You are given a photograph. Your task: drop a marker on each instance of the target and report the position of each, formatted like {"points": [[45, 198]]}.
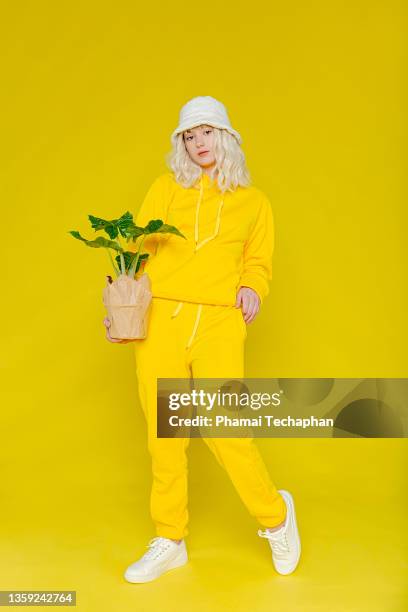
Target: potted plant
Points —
{"points": [[127, 298]]}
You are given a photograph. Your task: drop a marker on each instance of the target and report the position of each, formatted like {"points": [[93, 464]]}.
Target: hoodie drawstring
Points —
{"points": [[196, 247], [200, 307], [217, 223], [178, 308]]}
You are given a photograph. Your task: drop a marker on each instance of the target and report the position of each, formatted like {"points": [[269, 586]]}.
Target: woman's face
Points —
{"points": [[199, 143]]}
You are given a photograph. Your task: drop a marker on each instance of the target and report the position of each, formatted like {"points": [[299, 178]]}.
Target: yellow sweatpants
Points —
{"points": [[187, 340]]}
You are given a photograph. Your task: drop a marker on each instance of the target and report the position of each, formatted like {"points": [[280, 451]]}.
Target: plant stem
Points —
{"points": [[122, 263], [112, 262], [133, 267]]}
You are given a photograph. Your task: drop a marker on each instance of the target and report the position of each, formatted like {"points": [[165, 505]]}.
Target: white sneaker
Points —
{"points": [[285, 543], [163, 554]]}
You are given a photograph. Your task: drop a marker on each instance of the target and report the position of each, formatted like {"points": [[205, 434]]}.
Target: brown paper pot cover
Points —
{"points": [[128, 301]]}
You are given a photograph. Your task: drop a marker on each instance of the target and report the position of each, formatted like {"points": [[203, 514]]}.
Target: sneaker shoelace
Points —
{"points": [[157, 546], [278, 541]]}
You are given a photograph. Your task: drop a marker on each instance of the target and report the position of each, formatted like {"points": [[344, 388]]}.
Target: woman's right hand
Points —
{"points": [[107, 324]]}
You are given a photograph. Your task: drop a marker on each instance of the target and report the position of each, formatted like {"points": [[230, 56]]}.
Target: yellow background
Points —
{"points": [[91, 93]]}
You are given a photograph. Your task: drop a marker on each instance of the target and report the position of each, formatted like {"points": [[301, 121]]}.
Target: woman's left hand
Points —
{"points": [[250, 302]]}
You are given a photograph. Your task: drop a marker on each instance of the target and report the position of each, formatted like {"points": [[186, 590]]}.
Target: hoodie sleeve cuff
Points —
{"points": [[249, 279]]}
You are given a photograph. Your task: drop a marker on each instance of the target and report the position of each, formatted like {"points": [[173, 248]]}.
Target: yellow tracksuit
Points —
{"points": [[196, 331]]}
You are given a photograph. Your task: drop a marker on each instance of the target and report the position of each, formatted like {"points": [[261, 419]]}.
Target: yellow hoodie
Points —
{"points": [[229, 241]]}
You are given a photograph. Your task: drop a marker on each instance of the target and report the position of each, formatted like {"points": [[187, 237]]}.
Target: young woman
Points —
{"points": [[206, 290]]}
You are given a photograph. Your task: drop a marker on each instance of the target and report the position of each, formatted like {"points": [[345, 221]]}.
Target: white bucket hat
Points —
{"points": [[204, 110]]}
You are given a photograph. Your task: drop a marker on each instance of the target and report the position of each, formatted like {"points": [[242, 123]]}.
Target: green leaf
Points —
{"points": [[153, 226], [164, 229], [156, 226], [112, 227], [133, 232], [98, 243]]}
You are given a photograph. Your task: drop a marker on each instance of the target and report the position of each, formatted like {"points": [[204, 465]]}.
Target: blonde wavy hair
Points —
{"points": [[230, 168]]}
